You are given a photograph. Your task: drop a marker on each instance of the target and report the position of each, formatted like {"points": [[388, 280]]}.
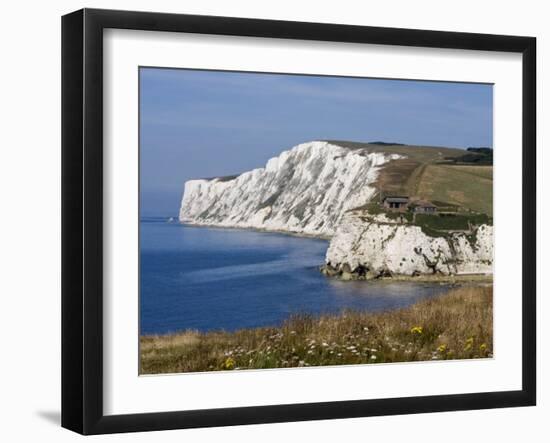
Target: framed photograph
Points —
{"points": [[268, 221]]}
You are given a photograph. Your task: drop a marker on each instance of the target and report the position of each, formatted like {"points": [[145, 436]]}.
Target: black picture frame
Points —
{"points": [[82, 218]]}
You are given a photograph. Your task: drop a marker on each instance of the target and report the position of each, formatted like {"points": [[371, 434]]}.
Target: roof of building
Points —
{"points": [[396, 199], [424, 204]]}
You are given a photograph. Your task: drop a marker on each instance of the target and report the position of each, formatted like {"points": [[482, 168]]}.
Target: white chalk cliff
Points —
{"points": [[385, 247], [313, 189], [305, 190]]}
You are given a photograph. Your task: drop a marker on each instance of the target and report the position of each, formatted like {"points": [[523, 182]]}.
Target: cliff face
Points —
{"points": [[374, 247], [304, 190], [316, 189]]}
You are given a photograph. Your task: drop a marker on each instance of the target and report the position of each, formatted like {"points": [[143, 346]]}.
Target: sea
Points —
{"points": [[205, 279]]}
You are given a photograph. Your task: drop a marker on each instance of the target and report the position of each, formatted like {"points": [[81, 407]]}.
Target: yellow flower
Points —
{"points": [[469, 343], [416, 330], [442, 348], [482, 347], [229, 363]]}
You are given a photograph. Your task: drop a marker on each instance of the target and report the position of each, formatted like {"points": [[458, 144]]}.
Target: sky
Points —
{"points": [[197, 124]]}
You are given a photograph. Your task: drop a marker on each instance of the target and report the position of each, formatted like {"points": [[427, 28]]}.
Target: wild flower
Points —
{"points": [[482, 347], [324, 344], [469, 343], [442, 348], [416, 330], [373, 357], [229, 363], [310, 352]]}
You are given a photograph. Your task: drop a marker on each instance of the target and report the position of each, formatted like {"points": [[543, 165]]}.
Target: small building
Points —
{"points": [[395, 202], [424, 207]]}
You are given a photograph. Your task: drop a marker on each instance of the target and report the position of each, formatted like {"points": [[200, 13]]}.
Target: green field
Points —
{"points": [[469, 187], [428, 173]]}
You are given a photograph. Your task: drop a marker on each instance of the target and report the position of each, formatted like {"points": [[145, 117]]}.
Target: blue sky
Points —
{"points": [[197, 124]]}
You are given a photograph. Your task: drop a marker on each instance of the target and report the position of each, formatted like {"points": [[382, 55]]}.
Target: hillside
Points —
{"points": [[441, 175], [309, 188]]}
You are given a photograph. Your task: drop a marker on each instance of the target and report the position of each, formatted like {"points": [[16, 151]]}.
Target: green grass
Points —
{"points": [[427, 174], [457, 325], [469, 187], [442, 222]]}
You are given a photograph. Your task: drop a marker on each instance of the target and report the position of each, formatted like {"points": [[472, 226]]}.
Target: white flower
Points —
{"points": [[373, 357]]}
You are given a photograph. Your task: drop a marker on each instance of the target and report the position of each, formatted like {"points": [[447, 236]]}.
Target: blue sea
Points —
{"points": [[209, 278]]}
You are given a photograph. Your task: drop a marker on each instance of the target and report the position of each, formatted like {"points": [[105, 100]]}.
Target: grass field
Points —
{"points": [[467, 186], [457, 325], [424, 174]]}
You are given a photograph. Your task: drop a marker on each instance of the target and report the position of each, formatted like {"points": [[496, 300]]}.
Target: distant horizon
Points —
{"points": [[197, 124]]}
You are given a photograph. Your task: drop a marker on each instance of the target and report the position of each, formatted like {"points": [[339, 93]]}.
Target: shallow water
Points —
{"points": [[209, 278]]}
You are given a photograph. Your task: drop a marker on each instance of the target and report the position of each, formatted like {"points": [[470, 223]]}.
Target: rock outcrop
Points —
{"points": [[369, 248]]}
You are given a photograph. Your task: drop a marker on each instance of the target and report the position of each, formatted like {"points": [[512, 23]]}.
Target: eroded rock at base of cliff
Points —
{"points": [[366, 249]]}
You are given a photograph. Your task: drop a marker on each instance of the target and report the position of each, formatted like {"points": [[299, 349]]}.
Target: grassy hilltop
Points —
{"points": [[441, 175], [457, 325]]}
